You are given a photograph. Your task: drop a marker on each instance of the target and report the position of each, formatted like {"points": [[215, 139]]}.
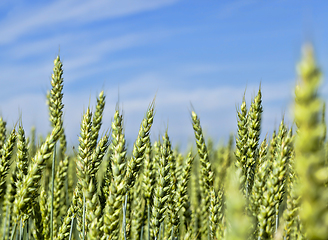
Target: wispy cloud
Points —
{"points": [[28, 19], [233, 7]]}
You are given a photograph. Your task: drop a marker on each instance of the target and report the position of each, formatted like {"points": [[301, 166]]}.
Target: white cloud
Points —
{"points": [[27, 19]]}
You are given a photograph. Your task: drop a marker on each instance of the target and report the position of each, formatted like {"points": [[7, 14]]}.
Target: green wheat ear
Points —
{"points": [[29, 187], [309, 153], [241, 140], [117, 187], [162, 188], [254, 130], [6, 153]]}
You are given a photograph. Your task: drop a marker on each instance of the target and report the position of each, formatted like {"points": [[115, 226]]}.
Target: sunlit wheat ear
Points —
{"points": [[241, 140], [60, 178], [272, 196], [93, 212], [6, 153], [182, 185], [30, 185], [148, 183], [260, 179], [162, 188], [293, 200], [17, 175], [139, 147], [97, 118], [254, 130], [55, 101], [309, 153], [206, 178], [148, 173], [83, 162], [87, 165], [114, 200], [206, 168], [170, 229], [214, 210], [45, 214], [138, 210], [98, 155], [55, 95]]}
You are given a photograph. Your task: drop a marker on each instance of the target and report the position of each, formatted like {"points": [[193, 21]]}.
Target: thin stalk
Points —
{"points": [[71, 230], [83, 216], [159, 232], [52, 195], [124, 215], [13, 232], [148, 220], [141, 234], [21, 230]]}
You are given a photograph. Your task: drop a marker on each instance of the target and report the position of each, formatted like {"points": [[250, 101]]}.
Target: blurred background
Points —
{"points": [[187, 53]]}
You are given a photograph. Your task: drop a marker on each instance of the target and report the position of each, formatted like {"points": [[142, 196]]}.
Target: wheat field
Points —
{"points": [[275, 188]]}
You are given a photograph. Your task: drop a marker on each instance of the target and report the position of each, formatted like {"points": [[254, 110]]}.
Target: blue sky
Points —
{"points": [[182, 51]]}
